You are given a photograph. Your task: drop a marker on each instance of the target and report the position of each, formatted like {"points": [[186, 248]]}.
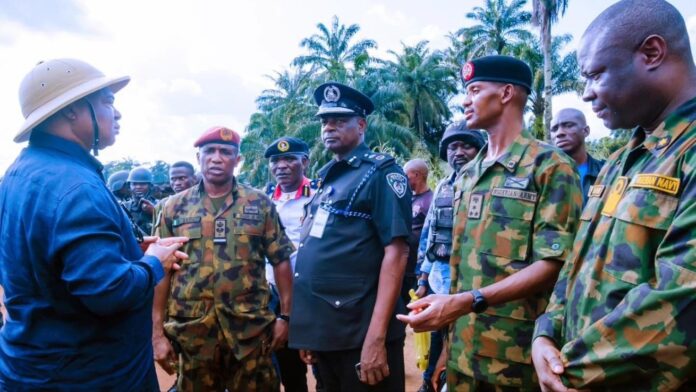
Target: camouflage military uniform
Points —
{"points": [[218, 310], [521, 208], [140, 217], [624, 308]]}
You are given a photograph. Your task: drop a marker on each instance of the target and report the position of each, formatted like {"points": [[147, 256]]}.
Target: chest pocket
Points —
{"points": [[643, 216], [248, 233], [187, 227], [509, 225]]}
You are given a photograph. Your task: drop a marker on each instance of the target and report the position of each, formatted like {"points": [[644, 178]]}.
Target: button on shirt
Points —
{"points": [[78, 290]]}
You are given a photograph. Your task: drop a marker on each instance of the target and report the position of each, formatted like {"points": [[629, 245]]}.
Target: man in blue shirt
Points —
{"points": [[78, 289], [568, 132]]}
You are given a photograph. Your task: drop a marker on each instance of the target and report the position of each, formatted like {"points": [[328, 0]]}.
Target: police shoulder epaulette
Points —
{"points": [[378, 158], [306, 190]]}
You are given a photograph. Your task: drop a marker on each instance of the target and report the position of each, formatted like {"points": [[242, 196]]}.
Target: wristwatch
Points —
{"points": [[480, 304], [284, 317]]}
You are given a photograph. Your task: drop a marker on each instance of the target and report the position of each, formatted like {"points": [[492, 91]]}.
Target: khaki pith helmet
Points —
{"points": [[53, 85]]}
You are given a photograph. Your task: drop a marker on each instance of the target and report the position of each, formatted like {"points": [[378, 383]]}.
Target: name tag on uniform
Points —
{"points": [[615, 195], [596, 191], [319, 224], [658, 182], [220, 231]]}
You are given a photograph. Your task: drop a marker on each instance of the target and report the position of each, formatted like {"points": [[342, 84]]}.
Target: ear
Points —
{"points": [[507, 92], [70, 112], [362, 125], [198, 157], [652, 51], [586, 131], [305, 163]]}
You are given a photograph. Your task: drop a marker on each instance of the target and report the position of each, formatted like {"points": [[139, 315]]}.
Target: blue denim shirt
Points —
{"points": [[78, 290]]}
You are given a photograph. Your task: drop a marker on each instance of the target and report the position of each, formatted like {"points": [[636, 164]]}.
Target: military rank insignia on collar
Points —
{"points": [[397, 182]]}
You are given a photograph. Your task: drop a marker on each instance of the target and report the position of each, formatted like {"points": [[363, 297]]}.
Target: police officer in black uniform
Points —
{"points": [[352, 255]]}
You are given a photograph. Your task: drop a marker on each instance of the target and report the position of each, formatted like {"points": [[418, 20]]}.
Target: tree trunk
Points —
{"points": [[548, 77]]}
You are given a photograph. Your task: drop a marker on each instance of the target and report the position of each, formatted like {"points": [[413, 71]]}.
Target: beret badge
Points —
{"points": [[468, 71]]}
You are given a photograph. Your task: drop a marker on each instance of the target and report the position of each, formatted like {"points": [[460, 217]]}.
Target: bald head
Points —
{"points": [[568, 132], [417, 173], [636, 59], [626, 24]]}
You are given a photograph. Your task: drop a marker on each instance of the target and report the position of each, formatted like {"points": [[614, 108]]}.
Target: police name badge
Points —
{"points": [[219, 236], [398, 183], [319, 224]]}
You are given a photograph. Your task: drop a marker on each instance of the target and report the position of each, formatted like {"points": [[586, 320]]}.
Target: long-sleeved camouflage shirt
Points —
{"points": [[222, 284], [624, 308], [521, 208]]}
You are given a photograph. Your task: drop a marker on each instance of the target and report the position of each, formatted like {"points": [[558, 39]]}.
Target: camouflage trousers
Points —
{"points": [[458, 382], [222, 371]]}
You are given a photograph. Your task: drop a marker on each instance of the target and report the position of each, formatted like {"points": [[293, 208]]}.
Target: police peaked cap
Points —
{"points": [[336, 99], [501, 69], [287, 146], [459, 131]]}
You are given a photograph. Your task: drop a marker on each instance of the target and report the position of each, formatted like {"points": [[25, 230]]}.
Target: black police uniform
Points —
{"points": [[366, 201]]}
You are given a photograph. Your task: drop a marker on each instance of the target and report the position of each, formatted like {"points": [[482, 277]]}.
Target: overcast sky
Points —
{"points": [[195, 64]]}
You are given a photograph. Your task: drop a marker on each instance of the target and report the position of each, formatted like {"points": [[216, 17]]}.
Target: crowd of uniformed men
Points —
{"points": [[538, 267]]}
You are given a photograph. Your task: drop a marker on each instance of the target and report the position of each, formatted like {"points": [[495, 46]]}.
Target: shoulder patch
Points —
{"points": [[398, 183], [516, 182]]}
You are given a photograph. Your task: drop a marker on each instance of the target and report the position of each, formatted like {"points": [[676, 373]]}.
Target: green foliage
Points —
{"points": [[603, 147], [411, 88], [122, 164]]}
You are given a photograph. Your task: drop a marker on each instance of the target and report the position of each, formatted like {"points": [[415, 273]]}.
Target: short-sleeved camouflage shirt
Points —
{"points": [[624, 309], [511, 212], [222, 284]]}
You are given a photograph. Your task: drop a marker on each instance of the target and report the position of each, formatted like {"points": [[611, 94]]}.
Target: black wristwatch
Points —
{"points": [[480, 304], [284, 317]]}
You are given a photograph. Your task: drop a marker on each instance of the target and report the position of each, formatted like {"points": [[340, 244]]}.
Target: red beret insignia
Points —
{"points": [[468, 71]]}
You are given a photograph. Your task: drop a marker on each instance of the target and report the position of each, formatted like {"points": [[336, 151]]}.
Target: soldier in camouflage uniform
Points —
{"points": [[623, 311], [217, 303], [141, 205], [517, 206]]}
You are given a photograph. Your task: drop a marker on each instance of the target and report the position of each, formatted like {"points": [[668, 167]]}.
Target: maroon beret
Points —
{"points": [[218, 135]]}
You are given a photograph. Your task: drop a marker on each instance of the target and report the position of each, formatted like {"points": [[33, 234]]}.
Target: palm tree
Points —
{"points": [[544, 14], [331, 50], [566, 77], [500, 26], [426, 84]]}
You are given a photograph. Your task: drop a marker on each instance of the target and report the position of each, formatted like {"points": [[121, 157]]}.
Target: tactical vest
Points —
{"points": [[440, 236]]}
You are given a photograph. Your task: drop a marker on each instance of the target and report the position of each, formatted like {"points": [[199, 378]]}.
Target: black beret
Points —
{"points": [[502, 69], [287, 146], [338, 99], [459, 131]]}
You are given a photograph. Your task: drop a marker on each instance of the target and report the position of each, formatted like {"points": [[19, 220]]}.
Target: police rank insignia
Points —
{"points": [[283, 146], [398, 183], [332, 94]]}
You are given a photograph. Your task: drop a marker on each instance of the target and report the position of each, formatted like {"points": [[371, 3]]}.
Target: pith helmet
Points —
{"points": [[53, 85], [140, 174]]}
